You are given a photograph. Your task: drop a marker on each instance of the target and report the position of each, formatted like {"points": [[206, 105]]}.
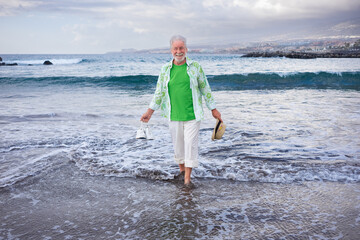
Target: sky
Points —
{"points": [[94, 26]]}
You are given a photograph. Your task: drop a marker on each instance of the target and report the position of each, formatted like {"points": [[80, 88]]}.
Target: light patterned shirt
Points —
{"points": [[198, 84]]}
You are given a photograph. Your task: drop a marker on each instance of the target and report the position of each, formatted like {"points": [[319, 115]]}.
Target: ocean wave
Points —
{"points": [[246, 170], [25, 118], [103, 158], [251, 81], [56, 61], [133, 158], [242, 156], [278, 81], [87, 60]]}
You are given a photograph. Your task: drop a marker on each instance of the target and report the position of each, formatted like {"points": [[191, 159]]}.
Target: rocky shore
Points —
{"points": [[6, 64], [47, 62], [306, 55]]}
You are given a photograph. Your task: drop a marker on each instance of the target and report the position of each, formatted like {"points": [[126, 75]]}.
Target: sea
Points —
{"points": [[287, 167]]}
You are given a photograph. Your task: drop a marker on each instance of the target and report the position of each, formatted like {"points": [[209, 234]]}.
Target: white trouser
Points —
{"points": [[185, 136]]}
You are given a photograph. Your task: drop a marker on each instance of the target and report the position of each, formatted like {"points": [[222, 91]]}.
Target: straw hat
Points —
{"points": [[219, 130]]}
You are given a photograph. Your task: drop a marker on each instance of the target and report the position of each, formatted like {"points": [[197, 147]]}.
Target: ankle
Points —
{"points": [[187, 181]]}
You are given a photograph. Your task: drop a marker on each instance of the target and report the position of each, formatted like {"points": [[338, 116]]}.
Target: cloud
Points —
{"points": [[142, 11], [284, 9], [13, 7], [76, 30], [149, 23]]}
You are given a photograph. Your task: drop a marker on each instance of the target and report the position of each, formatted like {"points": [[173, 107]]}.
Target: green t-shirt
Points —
{"points": [[180, 93]]}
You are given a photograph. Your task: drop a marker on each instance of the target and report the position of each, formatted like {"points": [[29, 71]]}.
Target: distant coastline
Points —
{"points": [[304, 49], [306, 55]]}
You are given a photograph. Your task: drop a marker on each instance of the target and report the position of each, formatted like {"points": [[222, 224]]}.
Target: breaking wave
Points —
{"points": [[252, 81]]}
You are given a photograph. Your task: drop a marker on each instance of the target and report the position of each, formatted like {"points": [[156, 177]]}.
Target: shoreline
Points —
{"points": [[68, 203], [305, 55]]}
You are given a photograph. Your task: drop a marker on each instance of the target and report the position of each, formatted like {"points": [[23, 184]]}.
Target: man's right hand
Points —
{"points": [[147, 115]]}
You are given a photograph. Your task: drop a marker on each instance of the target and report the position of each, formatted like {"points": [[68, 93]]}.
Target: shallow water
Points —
{"points": [[271, 136], [66, 203]]}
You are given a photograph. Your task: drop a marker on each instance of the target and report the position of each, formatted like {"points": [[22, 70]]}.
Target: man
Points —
{"points": [[180, 87]]}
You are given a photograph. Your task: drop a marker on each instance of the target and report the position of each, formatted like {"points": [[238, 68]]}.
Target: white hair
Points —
{"points": [[177, 38]]}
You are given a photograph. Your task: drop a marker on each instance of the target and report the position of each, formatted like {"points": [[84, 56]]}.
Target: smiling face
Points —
{"points": [[179, 50]]}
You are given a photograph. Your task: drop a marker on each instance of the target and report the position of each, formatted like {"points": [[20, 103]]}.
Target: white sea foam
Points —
{"points": [[121, 65], [264, 142], [54, 61]]}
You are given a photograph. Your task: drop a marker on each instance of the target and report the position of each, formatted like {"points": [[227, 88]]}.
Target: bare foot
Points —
{"points": [[189, 185], [180, 177]]}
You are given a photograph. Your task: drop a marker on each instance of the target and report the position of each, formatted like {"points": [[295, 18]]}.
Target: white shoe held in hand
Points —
{"points": [[148, 133], [140, 133]]}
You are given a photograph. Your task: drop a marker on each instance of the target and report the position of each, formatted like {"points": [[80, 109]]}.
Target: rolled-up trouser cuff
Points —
{"points": [[179, 161], [188, 163], [191, 163]]}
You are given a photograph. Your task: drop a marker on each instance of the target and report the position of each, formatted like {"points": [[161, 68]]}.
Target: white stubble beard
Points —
{"points": [[176, 58]]}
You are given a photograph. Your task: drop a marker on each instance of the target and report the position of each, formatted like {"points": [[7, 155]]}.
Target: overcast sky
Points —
{"points": [[94, 26]]}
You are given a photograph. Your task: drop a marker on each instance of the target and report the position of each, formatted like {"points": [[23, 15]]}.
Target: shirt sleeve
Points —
{"points": [[205, 90], [159, 93]]}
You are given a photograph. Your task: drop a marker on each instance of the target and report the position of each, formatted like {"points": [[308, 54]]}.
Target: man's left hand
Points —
{"points": [[216, 114]]}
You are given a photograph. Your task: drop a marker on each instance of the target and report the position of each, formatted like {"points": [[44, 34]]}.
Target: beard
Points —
{"points": [[180, 57]]}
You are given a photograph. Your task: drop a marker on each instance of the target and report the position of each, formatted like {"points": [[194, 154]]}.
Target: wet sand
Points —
{"points": [[66, 203]]}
